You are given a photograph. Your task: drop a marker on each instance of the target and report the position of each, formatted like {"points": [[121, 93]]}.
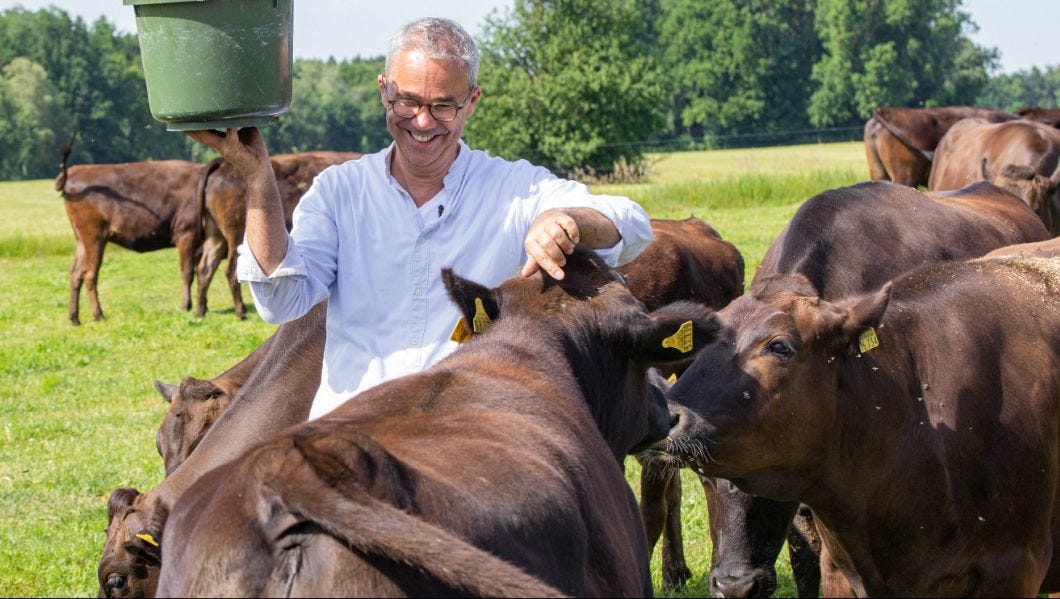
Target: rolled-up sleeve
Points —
{"points": [[629, 218], [307, 270]]}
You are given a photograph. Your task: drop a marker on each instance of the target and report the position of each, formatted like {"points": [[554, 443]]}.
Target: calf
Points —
{"points": [[222, 195], [911, 421], [848, 241], [686, 260], [511, 446], [1019, 156], [141, 206], [277, 394], [900, 143]]}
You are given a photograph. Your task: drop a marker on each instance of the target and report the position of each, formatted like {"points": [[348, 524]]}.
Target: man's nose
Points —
{"points": [[423, 118]]}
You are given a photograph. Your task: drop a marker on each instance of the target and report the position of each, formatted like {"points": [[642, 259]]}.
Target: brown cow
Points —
{"points": [[511, 446], [1049, 116], [141, 206], [928, 449], [686, 260], [277, 395], [195, 404], [848, 241], [900, 142], [222, 193], [1020, 156], [1040, 249]]}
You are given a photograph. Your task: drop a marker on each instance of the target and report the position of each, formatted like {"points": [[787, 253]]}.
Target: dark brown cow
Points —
{"points": [[278, 394], [1049, 116], [686, 260], [511, 446], [141, 206], [1020, 156], [1040, 249], [928, 450], [900, 142], [847, 241], [222, 192], [195, 404]]}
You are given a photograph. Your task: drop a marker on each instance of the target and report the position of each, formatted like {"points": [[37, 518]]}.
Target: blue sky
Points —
{"points": [[1023, 30]]}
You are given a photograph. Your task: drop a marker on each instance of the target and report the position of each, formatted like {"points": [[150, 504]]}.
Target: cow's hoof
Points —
{"points": [[675, 577]]}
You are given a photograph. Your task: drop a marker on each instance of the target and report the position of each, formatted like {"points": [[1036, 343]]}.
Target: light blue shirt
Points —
{"points": [[360, 241]]}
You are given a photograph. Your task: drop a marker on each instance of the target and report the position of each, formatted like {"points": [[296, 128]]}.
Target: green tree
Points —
{"points": [[893, 53], [738, 65], [569, 83], [36, 119], [1034, 87]]}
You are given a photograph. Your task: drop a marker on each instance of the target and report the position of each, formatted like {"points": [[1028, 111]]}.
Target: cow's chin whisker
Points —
{"points": [[692, 453], [664, 464]]}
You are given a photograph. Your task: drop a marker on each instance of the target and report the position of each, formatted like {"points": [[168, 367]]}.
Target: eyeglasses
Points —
{"points": [[442, 112]]}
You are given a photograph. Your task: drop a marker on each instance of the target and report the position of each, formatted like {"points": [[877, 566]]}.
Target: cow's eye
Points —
{"points": [[781, 349], [116, 583]]}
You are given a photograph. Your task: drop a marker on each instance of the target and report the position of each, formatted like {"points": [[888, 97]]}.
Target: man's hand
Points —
{"points": [[244, 148], [551, 238]]}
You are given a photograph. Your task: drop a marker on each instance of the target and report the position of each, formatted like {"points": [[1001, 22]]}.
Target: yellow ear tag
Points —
{"points": [[147, 539], [461, 334], [673, 378], [868, 340], [481, 319], [682, 339]]}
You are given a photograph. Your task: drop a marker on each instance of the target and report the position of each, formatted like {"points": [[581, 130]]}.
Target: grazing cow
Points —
{"points": [[1049, 248], [919, 422], [1049, 116], [900, 142], [1019, 156], [278, 394], [848, 241], [222, 194], [510, 450], [141, 206]]}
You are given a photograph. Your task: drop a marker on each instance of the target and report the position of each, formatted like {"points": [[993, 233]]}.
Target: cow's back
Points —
{"points": [[959, 160], [856, 238]]}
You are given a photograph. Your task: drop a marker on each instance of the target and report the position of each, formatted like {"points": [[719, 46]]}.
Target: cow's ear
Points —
{"points": [[166, 390], [120, 498], [477, 303], [680, 330], [863, 313]]}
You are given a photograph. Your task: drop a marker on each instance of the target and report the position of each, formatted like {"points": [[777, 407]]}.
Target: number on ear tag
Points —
{"points": [[868, 340], [481, 319], [682, 339], [461, 334]]}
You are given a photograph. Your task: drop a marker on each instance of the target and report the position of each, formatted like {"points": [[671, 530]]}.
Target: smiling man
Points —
{"points": [[372, 235]]}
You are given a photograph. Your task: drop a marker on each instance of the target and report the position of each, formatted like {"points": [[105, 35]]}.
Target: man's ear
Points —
{"points": [[477, 303], [681, 330]]}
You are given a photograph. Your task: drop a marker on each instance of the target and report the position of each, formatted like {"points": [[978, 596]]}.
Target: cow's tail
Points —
{"points": [[200, 199], [880, 117], [877, 170], [379, 528], [60, 181]]}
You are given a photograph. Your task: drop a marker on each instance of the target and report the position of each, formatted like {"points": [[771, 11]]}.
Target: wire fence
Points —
{"points": [[747, 140]]}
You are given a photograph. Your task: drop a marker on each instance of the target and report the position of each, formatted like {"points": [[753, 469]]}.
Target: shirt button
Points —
{"points": [[418, 292], [421, 241]]}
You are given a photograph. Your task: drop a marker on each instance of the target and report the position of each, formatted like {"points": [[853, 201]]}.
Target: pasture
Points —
{"points": [[77, 405]]}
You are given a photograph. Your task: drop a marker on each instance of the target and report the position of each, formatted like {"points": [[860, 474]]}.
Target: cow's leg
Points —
{"points": [[77, 278], [186, 254], [748, 533], [233, 282], [93, 261], [804, 551], [213, 251], [660, 508]]}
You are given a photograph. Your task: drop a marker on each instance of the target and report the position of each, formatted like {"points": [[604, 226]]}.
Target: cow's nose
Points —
{"points": [[115, 584], [733, 586]]}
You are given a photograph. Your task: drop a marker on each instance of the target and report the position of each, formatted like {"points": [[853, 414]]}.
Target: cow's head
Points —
{"points": [[757, 399], [132, 554], [608, 338], [194, 406], [1036, 189]]}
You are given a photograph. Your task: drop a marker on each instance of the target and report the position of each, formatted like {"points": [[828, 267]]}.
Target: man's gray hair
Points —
{"points": [[440, 39]]}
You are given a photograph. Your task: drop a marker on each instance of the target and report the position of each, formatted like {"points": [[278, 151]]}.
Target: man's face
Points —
{"points": [[423, 142]]}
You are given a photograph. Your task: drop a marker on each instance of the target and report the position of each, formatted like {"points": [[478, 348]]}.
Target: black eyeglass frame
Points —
{"points": [[430, 107]]}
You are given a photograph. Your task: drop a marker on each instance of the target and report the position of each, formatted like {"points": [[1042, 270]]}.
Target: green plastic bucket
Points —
{"points": [[215, 64]]}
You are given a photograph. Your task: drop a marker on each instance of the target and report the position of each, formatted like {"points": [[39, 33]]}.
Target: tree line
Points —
{"points": [[574, 85]]}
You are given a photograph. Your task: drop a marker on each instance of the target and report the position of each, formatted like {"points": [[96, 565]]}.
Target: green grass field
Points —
{"points": [[78, 410]]}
